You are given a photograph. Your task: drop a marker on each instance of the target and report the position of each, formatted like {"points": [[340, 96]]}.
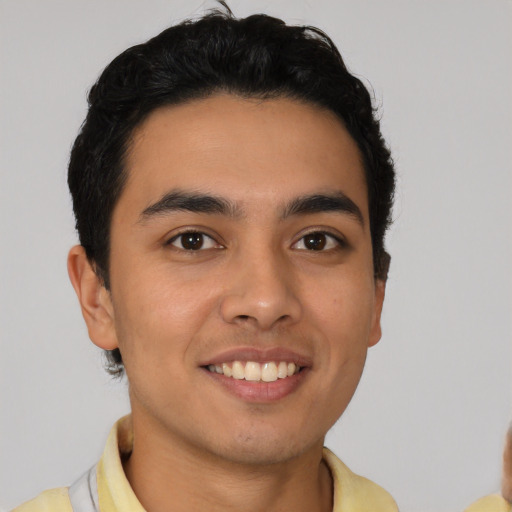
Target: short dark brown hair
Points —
{"points": [[254, 57]]}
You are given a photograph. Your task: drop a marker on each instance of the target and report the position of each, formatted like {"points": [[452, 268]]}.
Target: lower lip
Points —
{"points": [[260, 392]]}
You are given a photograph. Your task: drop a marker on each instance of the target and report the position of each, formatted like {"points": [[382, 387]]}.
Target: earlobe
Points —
{"points": [[94, 299], [376, 331]]}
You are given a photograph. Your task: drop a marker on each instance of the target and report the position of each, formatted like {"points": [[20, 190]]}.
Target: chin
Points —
{"points": [[266, 448]]}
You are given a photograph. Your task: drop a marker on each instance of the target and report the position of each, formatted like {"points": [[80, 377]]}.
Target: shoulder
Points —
{"points": [[492, 503], [53, 500], [355, 492]]}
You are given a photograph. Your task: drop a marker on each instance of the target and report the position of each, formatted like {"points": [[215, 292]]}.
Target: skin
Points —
{"points": [[254, 284]]}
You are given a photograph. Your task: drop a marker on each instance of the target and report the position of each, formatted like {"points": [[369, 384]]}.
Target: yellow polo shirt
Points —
{"points": [[105, 487]]}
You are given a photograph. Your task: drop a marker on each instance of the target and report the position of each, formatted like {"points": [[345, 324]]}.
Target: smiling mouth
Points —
{"points": [[254, 371]]}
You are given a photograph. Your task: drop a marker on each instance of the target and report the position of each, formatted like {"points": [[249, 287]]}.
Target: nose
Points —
{"points": [[262, 292]]}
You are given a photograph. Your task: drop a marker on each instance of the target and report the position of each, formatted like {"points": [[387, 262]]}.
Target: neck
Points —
{"points": [[162, 471]]}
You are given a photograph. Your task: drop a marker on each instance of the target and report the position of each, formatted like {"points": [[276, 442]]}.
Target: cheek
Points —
{"points": [[342, 306], [343, 319], [158, 315]]}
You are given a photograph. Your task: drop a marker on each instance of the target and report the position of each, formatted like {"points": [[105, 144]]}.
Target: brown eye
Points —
{"points": [[193, 241], [318, 241], [315, 241]]}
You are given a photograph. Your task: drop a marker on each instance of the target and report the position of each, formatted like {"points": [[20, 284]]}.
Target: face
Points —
{"points": [[243, 297]]}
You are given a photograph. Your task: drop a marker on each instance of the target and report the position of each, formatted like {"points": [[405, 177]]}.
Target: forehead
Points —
{"points": [[246, 149]]}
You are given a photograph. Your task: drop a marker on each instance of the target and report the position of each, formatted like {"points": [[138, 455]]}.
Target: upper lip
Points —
{"points": [[258, 356]]}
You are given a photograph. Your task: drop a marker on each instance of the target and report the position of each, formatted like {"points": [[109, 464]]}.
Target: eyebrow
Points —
{"points": [[319, 203], [178, 200]]}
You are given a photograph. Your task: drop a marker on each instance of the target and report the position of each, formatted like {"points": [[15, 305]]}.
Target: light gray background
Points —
{"points": [[429, 417]]}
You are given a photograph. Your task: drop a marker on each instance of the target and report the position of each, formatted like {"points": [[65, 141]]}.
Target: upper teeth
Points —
{"points": [[265, 372]]}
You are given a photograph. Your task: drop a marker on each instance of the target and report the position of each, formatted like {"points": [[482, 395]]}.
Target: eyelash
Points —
{"points": [[335, 241]]}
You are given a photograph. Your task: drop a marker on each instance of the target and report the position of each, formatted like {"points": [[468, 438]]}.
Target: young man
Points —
{"points": [[231, 190]]}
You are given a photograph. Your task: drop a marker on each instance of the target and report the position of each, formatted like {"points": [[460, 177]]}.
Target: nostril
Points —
{"points": [[243, 317]]}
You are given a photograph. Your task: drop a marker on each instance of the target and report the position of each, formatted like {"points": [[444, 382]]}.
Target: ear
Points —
{"points": [[376, 331], [94, 299]]}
